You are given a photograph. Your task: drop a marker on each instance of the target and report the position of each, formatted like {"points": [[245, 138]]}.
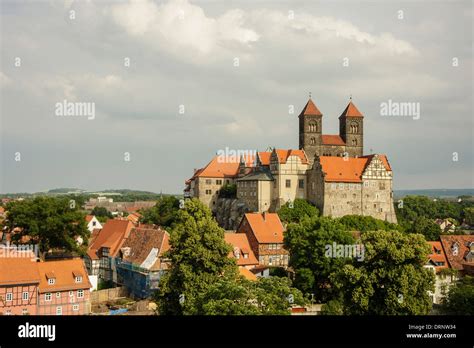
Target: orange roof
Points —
{"points": [[265, 158], [241, 242], [216, 169], [283, 155], [247, 274], [18, 270], [458, 261], [63, 271], [340, 169], [351, 111], [89, 218], [110, 236], [438, 255], [266, 227], [311, 109], [332, 140]]}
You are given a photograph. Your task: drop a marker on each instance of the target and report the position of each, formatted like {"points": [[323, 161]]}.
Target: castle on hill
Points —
{"points": [[330, 171]]}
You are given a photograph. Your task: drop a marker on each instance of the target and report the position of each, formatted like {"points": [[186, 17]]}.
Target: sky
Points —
{"points": [[173, 82]]}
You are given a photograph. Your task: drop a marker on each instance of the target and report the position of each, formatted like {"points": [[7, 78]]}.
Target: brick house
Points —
{"points": [[265, 235], [19, 281], [64, 288]]}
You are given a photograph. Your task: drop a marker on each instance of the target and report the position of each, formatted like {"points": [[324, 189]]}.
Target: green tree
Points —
{"points": [[460, 298], [228, 191], [199, 257], [101, 213], [306, 243], [391, 279], [366, 223], [426, 227], [297, 210], [468, 213], [51, 222], [163, 213]]}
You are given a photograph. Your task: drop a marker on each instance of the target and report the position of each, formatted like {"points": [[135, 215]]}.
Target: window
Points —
{"points": [[24, 311], [301, 183], [288, 183], [312, 141], [71, 293], [58, 295], [25, 296], [51, 281], [208, 181], [366, 184], [9, 296], [59, 310], [8, 312], [218, 182], [354, 142], [47, 296], [80, 293], [75, 307]]}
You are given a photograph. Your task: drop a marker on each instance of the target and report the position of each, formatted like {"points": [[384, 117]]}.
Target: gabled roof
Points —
{"points": [[240, 243], [145, 246], [463, 242], [351, 111], [437, 255], [310, 109], [332, 140], [350, 169], [247, 274], [283, 155], [217, 169], [265, 157], [64, 272], [110, 236], [266, 227], [18, 270]]}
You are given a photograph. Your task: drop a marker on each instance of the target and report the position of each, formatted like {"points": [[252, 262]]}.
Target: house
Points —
{"points": [[241, 250], [92, 223], [438, 262], [265, 235], [141, 262], [100, 258], [459, 251], [352, 186], [19, 281], [445, 225], [134, 217], [64, 288]]}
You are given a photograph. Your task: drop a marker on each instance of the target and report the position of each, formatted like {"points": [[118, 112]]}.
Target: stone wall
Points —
{"points": [[229, 212]]}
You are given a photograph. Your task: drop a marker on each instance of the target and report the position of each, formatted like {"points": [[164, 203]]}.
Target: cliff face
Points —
{"points": [[229, 212]]}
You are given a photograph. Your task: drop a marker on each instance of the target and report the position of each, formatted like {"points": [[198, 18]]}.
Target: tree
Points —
{"points": [[426, 227], [469, 215], [101, 213], [366, 223], [163, 213], [297, 210], [228, 191], [198, 256], [391, 279], [306, 243], [51, 222], [460, 298]]}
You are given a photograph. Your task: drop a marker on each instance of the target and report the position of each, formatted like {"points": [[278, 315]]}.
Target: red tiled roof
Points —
{"points": [[241, 242], [332, 140], [438, 255], [265, 157], [311, 109], [351, 111], [266, 227], [247, 274], [463, 242], [111, 236], [283, 155], [63, 271], [18, 270], [340, 169]]}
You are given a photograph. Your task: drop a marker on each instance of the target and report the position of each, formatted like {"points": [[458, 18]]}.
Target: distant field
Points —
{"points": [[440, 193]]}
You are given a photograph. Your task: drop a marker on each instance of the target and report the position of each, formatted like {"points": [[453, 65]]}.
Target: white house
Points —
{"points": [[92, 223]]}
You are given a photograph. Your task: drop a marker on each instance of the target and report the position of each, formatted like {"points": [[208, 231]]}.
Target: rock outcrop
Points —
{"points": [[229, 212]]}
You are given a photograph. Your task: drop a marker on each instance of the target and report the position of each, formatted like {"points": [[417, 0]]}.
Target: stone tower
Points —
{"points": [[351, 130], [310, 130]]}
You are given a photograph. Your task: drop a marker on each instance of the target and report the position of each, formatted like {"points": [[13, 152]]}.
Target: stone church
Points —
{"points": [[330, 171]]}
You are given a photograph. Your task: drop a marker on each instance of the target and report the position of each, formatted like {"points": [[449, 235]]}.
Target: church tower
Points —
{"points": [[310, 130], [351, 130]]}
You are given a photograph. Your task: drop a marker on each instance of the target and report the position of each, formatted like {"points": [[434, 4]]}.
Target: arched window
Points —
{"points": [[354, 128], [312, 141], [354, 142], [313, 127]]}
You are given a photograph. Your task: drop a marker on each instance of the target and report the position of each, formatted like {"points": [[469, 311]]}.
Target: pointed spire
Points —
{"points": [[351, 110], [310, 108]]}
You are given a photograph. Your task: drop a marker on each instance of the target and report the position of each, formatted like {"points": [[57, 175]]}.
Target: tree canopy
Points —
{"points": [[460, 298], [51, 222], [163, 213], [297, 210]]}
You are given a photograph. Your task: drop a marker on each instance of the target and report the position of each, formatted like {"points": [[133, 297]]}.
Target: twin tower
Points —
{"points": [[349, 142]]}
